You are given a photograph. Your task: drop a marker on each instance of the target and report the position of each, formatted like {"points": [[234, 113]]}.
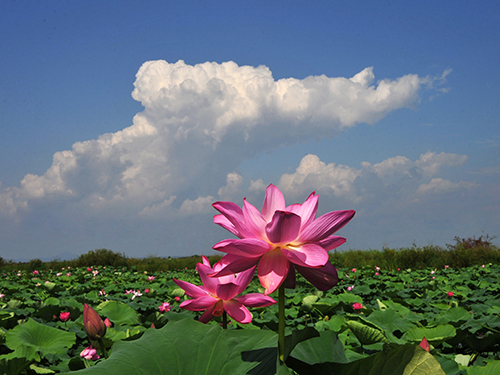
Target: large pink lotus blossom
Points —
{"points": [[281, 239], [219, 294]]}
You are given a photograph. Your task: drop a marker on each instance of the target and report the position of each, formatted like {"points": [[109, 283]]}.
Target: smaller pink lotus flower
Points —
{"points": [[64, 316], [483, 266], [446, 266], [151, 278], [219, 294], [376, 273], [58, 274], [107, 323], [146, 290], [450, 294], [349, 288], [177, 298], [2, 295], [89, 269], [164, 307], [68, 274], [357, 306], [354, 270], [89, 353], [102, 292], [35, 272]]}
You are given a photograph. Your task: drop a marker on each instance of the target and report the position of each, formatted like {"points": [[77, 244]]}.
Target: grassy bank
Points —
{"points": [[464, 253]]}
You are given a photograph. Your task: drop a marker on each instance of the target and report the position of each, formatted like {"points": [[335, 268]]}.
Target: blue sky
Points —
{"points": [[122, 122]]}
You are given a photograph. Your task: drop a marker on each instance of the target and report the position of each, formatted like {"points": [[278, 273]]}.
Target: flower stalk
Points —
{"points": [[281, 323]]}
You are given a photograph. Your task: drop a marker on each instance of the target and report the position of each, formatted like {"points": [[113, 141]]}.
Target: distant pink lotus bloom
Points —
{"points": [[219, 294], [64, 316], [357, 306], [354, 270], [68, 274], [35, 272], [58, 274], [446, 266], [146, 290], [450, 294], [424, 344], [164, 307], [2, 295], [376, 273], [151, 278], [89, 353], [349, 288], [177, 298], [89, 269], [107, 323], [280, 240]]}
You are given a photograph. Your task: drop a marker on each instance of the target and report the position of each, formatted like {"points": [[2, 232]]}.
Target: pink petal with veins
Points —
{"points": [[191, 290], [273, 268], [255, 300], [254, 219], [283, 228], [331, 242], [226, 224], [237, 311], [235, 264], [247, 247], [198, 304], [274, 201], [207, 315], [209, 283], [227, 291], [325, 225], [307, 211], [322, 278], [235, 216], [307, 255]]}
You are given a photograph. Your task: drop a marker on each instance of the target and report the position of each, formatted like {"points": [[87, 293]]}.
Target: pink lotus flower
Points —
{"points": [[107, 323], [280, 239], [89, 353], [450, 294], [164, 307], [357, 306], [151, 278], [219, 294], [64, 316]]}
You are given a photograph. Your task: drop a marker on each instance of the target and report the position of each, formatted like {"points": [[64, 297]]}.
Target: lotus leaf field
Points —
{"points": [[372, 322]]}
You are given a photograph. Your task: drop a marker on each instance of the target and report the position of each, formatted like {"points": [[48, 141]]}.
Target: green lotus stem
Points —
{"points": [[281, 324], [224, 320], [103, 348]]}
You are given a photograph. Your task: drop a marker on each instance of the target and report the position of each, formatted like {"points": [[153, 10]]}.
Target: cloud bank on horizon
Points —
{"points": [[150, 182]]}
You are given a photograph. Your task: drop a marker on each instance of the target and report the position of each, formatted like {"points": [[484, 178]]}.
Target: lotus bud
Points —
{"points": [[93, 324]]}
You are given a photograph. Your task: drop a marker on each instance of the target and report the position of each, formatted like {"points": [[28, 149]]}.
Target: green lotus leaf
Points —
{"points": [[189, 347], [31, 338], [400, 360], [434, 334], [118, 313]]}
